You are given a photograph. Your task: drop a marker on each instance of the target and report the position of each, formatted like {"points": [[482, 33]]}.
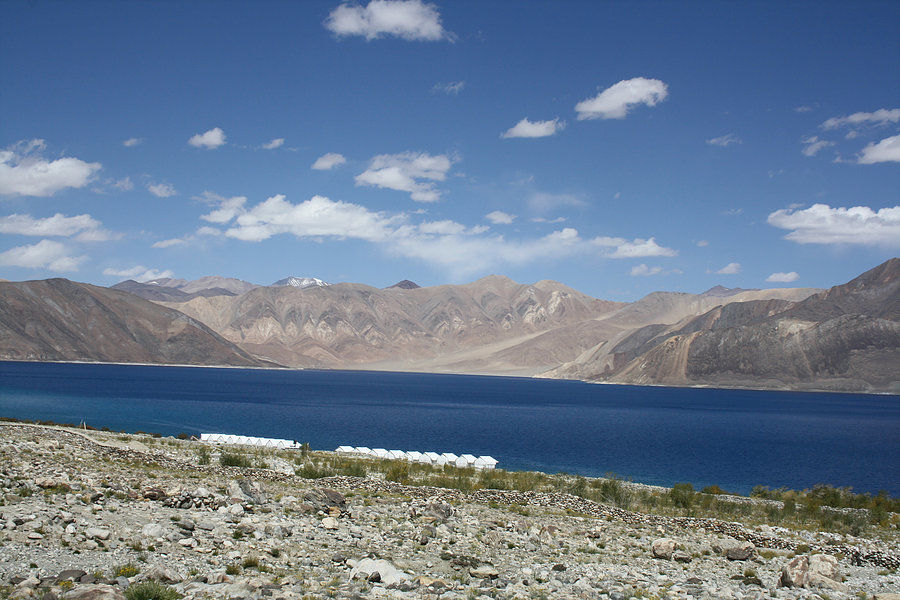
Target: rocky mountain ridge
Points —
{"points": [[845, 338]]}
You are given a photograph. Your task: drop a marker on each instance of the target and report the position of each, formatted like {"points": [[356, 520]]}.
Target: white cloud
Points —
{"points": [[614, 102], [783, 277], [46, 254], [643, 270], [329, 161], [316, 217], [446, 227], [534, 129], [132, 142], [702, 243], [228, 208], [636, 248], [725, 140], [274, 143], [23, 172], [814, 144], [881, 116], [123, 184], [544, 220], [452, 88], [211, 139], [404, 172], [169, 243], [803, 109], [86, 227], [730, 269], [887, 150], [210, 231], [446, 244], [498, 217], [542, 202], [139, 273], [411, 20], [822, 224], [162, 190]]}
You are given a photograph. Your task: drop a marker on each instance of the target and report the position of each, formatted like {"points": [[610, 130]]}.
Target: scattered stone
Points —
{"points": [[663, 548]]}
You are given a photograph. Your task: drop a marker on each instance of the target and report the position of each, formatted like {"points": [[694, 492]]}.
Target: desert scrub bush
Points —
{"points": [[612, 490], [234, 459], [682, 495], [151, 590], [398, 471], [126, 570], [233, 569], [203, 455]]}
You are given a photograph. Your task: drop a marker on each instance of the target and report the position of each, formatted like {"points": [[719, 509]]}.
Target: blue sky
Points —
{"points": [[620, 148]]}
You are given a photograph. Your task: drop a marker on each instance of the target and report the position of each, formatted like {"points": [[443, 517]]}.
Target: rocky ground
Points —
{"points": [[92, 515]]}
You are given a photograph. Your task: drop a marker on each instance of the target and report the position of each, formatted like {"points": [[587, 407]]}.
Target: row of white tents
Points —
{"points": [[428, 458], [245, 440]]}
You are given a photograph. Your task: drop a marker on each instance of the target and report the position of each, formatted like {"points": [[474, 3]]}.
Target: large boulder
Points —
{"points": [[741, 551], [795, 573], [824, 573], [663, 548], [378, 571], [94, 592]]}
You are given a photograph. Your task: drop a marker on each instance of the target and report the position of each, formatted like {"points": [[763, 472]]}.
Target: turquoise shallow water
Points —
{"points": [[733, 438]]}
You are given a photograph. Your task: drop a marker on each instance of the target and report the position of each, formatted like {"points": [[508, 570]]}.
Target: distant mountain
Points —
{"points": [[300, 282], [845, 338], [161, 293], [406, 284], [449, 327], [57, 319], [180, 290], [724, 292]]}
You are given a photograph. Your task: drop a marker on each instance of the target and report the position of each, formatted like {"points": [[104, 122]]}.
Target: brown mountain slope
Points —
{"points": [[845, 338], [57, 319], [352, 324]]}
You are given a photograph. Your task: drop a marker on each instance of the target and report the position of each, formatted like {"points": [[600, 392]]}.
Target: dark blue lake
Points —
{"points": [[732, 438]]}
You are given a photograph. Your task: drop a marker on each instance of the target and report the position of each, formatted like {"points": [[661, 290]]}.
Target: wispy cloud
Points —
{"points": [[636, 248], [162, 190], [272, 144], [732, 268], [643, 270], [726, 140], [617, 100], [326, 162], [139, 273], [85, 228], [534, 129], [498, 217], [812, 145], [451, 88], [132, 142], [879, 117], [783, 277]]}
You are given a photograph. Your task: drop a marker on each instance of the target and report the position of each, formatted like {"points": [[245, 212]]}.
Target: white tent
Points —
{"points": [[431, 457], [363, 450], [465, 460], [380, 453], [397, 454], [345, 450], [413, 456], [447, 458], [485, 462]]}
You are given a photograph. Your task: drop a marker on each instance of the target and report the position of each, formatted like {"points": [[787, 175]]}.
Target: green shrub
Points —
{"points": [[234, 459], [682, 495], [203, 455], [151, 590]]}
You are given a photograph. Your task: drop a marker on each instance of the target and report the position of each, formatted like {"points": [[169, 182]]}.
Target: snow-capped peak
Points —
{"points": [[301, 282]]}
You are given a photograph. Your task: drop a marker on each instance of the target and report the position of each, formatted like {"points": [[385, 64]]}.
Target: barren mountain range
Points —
{"points": [[844, 338]]}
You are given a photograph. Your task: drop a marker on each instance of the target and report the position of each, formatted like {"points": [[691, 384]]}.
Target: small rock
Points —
{"points": [[388, 574], [94, 592], [742, 551], [96, 533], [484, 572], [329, 523], [795, 573]]}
